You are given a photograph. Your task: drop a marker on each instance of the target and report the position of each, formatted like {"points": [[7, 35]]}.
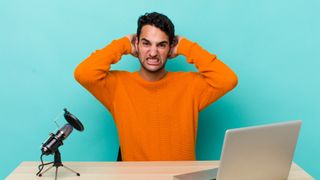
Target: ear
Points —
{"points": [[173, 48], [135, 41], [174, 41], [171, 52]]}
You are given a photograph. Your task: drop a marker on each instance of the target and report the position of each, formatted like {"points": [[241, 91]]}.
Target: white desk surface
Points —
{"points": [[159, 170]]}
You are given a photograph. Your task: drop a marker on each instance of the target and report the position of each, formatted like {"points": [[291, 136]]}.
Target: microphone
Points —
{"points": [[55, 140], [52, 144]]}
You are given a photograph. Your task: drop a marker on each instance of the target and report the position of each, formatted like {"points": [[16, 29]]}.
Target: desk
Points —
{"points": [[161, 170]]}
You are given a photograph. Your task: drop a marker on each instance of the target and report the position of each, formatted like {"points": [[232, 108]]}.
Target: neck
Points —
{"points": [[152, 76]]}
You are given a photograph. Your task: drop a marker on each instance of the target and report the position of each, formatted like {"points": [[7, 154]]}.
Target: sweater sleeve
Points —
{"points": [[94, 72], [214, 78]]}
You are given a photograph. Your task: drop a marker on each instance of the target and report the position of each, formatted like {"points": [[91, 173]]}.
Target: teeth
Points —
{"points": [[153, 61]]}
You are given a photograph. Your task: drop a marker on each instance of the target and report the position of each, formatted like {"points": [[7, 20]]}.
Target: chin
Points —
{"points": [[153, 69]]}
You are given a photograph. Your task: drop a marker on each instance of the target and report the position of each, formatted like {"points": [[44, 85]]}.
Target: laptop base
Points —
{"points": [[209, 174]]}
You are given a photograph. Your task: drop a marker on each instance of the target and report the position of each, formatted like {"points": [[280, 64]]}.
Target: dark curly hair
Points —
{"points": [[158, 20]]}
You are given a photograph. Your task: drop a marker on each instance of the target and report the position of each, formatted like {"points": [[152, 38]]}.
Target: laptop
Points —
{"points": [[254, 153]]}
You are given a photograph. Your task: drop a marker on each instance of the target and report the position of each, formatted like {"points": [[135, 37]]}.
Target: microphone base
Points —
{"points": [[57, 163]]}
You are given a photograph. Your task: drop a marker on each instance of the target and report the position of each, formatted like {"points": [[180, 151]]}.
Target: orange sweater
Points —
{"points": [[156, 120]]}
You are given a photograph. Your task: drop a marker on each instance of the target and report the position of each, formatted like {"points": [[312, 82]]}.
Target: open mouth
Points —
{"points": [[153, 61]]}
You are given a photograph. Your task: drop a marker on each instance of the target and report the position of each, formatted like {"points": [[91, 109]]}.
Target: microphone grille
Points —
{"points": [[66, 129]]}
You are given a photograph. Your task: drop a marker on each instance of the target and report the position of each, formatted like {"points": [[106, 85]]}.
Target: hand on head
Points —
{"points": [[174, 47], [133, 38]]}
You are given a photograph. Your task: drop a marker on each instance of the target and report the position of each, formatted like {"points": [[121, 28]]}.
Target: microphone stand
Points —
{"points": [[57, 163]]}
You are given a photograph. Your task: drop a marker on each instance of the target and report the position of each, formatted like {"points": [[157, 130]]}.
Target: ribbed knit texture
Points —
{"points": [[156, 120]]}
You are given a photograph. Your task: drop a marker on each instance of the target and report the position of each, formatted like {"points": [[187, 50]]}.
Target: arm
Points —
{"points": [[214, 78], [94, 72]]}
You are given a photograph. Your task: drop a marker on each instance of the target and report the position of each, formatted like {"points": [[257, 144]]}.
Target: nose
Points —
{"points": [[153, 51]]}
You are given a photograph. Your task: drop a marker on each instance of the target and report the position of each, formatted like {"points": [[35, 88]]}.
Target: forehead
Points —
{"points": [[153, 34]]}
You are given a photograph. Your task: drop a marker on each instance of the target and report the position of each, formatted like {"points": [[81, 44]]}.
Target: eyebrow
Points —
{"points": [[162, 42]]}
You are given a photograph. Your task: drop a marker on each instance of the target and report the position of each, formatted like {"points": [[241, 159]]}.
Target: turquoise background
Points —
{"points": [[273, 46]]}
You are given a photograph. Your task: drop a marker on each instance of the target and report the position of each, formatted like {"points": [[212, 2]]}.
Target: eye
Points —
{"points": [[162, 45], [145, 43]]}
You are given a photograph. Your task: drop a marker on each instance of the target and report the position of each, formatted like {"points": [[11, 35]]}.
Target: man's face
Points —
{"points": [[153, 48]]}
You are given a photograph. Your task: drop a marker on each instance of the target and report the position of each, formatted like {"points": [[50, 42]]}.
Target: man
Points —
{"points": [[155, 111]]}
